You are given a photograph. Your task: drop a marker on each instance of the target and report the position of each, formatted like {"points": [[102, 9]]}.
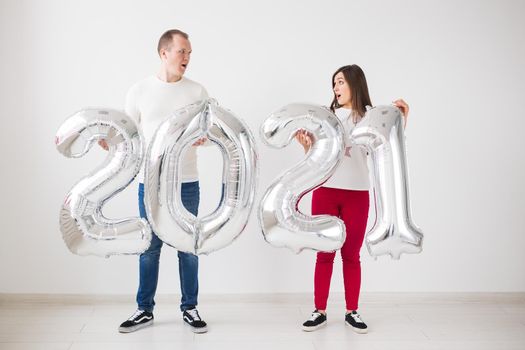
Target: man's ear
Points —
{"points": [[162, 53]]}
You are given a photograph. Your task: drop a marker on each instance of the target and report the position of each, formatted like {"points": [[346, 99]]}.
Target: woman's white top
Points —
{"points": [[352, 172]]}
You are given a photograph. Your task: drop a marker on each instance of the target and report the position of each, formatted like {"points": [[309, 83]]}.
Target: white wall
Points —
{"points": [[458, 64]]}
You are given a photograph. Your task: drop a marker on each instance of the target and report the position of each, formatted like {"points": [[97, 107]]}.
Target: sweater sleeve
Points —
{"points": [[204, 93], [132, 109]]}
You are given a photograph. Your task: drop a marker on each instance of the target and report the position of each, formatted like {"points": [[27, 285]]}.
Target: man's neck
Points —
{"points": [[168, 78]]}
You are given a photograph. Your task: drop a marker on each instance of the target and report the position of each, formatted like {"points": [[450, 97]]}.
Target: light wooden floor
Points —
{"points": [[270, 322]]}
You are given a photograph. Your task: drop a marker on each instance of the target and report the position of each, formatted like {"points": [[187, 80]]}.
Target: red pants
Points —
{"points": [[351, 207]]}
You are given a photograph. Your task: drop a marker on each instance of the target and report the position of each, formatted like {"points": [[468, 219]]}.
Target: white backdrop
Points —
{"points": [[458, 64]]}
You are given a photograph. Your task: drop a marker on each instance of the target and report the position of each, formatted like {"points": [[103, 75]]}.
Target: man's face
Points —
{"points": [[176, 56]]}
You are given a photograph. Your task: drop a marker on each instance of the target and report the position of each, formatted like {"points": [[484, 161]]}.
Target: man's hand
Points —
{"points": [[102, 143], [200, 141]]}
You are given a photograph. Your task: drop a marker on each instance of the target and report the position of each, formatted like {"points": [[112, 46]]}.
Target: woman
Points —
{"points": [[344, 195]]}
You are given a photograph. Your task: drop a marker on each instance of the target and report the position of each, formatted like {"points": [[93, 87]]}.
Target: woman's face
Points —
{"points": [[342, 91]]}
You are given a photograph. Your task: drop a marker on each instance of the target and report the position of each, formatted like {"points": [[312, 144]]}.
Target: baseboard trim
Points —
{"points": [[274, 298]]}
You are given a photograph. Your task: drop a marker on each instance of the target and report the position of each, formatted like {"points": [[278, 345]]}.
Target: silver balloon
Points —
{"points": [[86, 231], [170, 220], [283, 225], [381, 132]]}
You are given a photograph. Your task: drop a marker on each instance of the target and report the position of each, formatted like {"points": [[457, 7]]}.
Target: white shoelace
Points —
{"points": [[136, 314], [314, 316], [194, 314], [356, 317]]}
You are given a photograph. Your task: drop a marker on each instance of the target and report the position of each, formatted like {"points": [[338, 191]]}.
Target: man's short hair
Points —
{"points": [[166, 38]]}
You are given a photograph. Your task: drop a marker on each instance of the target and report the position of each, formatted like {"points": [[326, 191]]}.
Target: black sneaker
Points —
{"points": [[138, 320], [191, 318], [353, 320], [316, 321]]}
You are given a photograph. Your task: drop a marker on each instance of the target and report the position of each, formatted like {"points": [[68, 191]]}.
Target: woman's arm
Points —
{"points": [[403, 106], [305, 139]]}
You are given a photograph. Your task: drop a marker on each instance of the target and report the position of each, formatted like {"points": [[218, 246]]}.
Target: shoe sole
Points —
{"points": [[195, 329], [134, 328], [311, 329], [357, 330]]}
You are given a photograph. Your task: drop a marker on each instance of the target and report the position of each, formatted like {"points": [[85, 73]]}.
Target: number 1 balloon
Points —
{"points": [[394, 233], [283, 225], [86, 231]]}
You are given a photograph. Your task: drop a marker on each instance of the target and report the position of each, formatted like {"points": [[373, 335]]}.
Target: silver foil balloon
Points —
{"points": [[170, 220], [283, 225], [381, 132], [86, 231]]}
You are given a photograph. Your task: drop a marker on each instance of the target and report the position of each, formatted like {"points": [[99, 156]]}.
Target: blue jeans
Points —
{"points": [[188, 263]]}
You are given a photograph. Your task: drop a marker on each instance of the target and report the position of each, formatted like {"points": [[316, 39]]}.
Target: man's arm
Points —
{"points": [[130, 109], [203, 141]]}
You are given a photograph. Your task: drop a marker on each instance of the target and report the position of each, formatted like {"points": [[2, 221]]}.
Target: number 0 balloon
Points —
{"points": [[166, 213]]}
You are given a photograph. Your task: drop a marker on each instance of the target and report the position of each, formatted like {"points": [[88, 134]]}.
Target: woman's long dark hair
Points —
{"points": [[359, 96]]}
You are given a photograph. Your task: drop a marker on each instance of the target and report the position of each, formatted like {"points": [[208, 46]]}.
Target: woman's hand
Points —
{"points": [[403, 106], [304, 138]]}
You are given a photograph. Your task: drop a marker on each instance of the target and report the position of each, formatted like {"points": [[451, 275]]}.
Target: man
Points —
{"points": [[149, 102]]}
